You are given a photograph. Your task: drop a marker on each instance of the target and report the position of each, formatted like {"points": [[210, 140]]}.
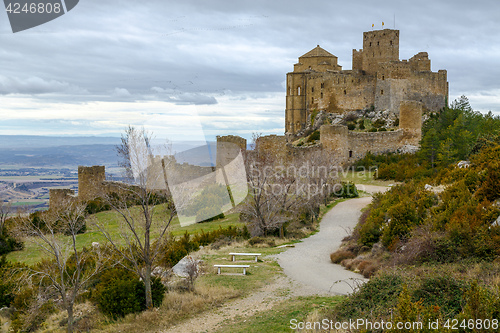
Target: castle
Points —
{"points": [[378, 80]]}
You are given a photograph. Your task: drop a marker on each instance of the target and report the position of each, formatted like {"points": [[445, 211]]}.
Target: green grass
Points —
{"points": [[27, 203], [257, 275], [114, 226], [278, 318]]}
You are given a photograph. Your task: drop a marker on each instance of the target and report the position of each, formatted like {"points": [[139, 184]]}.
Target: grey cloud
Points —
{"points": [[191, 52], [35, 85]]}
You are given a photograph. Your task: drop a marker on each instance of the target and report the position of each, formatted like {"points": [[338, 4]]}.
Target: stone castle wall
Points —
{"points": [[59, 197], [90, 181], [350, 146], [228, 148]]}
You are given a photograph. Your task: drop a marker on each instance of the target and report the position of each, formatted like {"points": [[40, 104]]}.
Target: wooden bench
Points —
{"points": [[233, 266], [256, 255]]}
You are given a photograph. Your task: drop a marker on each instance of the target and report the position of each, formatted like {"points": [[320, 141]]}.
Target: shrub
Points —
{"points": [[97, 205], [176, 249], [6, 287], [373, 298], [338, 256], [314, 136], [9, 244], [443, 291], [349, 190], [379, 123], [361, 123], [351, 126], [256, 240], [120, 292]]}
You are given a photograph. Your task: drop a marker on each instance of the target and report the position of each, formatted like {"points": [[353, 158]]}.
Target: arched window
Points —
{"points": [[298, 90], [345, 92]]}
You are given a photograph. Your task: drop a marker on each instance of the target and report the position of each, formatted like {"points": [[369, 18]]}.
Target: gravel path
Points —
{"points": [[307, 266], [273, 293], [309, 261]]}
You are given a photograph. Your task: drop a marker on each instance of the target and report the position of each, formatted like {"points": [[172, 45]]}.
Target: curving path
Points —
{"points": [[309, 261]]}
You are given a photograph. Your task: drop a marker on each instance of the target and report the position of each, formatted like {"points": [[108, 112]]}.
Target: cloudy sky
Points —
{"points": [[219, 65]]}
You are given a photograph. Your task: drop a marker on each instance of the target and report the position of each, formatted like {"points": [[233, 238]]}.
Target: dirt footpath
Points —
{"points": [[307, 266], [309, 262]]}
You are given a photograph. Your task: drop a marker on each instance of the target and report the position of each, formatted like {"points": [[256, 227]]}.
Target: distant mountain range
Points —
{"points": [[34, 141], [46, 151]]}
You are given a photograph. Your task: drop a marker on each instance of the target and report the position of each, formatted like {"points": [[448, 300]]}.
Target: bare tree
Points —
{"points": [[5, 209], [273, 198], [280, 188], [67, 272], [144, 217]]}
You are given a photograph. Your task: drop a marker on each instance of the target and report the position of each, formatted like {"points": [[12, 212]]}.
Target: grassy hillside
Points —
{"points": [[437, 248], [33, 254]]}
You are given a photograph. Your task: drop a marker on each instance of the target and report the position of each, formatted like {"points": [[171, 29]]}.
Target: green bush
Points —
{"points": [[314, 136], [361, 123], [9, 244], [349, 190], [443, 291], [6, 286], [97, 205], [373, 298], [120, 292], [351, 126], [176, 249]]}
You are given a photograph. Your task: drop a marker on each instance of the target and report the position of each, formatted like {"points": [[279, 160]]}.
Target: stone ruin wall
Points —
{"points": [[350, 146], [59, 197], [90, 181], [228, 148]]}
